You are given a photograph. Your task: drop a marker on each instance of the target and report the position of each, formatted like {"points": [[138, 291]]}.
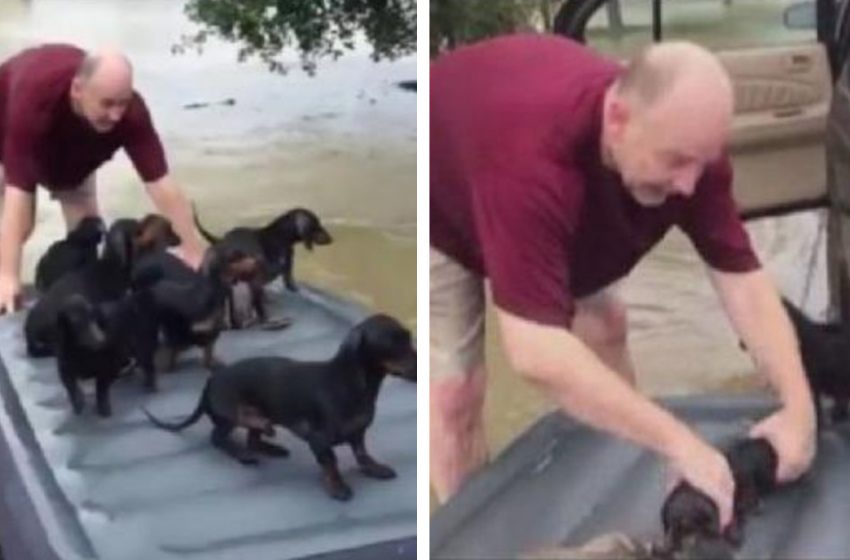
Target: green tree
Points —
{"points": [[456, 22], [315, 28]]}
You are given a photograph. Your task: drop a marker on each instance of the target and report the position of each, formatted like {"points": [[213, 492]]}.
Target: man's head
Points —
{"points": [[102, 89], [665, 118]]}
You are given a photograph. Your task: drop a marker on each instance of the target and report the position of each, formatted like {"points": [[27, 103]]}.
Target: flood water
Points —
{"points": [[342, 143]]}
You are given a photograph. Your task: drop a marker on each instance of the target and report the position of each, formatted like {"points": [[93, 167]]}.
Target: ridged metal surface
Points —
{"points": [[120, 489], [561, 484]]}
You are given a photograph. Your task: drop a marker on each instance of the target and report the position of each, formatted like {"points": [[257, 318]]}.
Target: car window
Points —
{"points": [[621, 26]]}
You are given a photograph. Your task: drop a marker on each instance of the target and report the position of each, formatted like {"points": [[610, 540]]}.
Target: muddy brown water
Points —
{"points": [[342, 143]]}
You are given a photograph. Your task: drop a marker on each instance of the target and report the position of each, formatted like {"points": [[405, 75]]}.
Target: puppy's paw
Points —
{"points": [[734, 533], [104, 410], [377, 470], [334, 484], [248, 459], [270, 449], [340, 491]]}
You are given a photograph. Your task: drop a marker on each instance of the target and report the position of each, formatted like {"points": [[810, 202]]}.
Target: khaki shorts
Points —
{"points": [[70, 200], [457, 307], [84, 191], [457, 311]]}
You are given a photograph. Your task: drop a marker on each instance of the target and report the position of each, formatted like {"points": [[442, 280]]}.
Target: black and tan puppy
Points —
{"points": [[102, 341], [825, 349], [325, 403], [274, 246], [190, 304], [106, 279], [78, 249], [154, 233], [688, 514]]}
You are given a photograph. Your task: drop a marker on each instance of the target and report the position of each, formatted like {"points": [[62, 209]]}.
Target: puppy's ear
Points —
{"points": [[304, 226], [352, 346], [211, 262], [79, 320], [119, 242], [90, 230], [146, 234]]}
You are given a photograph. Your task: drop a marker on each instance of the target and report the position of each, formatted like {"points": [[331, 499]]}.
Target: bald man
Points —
{"points": [[553, 171], [63, 114]]}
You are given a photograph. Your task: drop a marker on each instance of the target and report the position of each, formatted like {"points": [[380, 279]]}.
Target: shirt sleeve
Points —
{"points": [[143, 145], [525, 240], [711, 221]]}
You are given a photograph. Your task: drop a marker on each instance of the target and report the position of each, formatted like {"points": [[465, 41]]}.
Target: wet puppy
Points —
{"points": [[825, 349], [77, 250], [190, 304], [325, 403], [687, 513], [274, 246], [101, 342], [106, 279], [154, 233]]}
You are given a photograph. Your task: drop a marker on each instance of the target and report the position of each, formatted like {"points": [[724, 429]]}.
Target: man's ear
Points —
{"points": [[77, 87], [617, 116]]}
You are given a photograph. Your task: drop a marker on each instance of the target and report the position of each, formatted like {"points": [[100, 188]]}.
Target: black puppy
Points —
{"points": [[825, 349], [106, 279], [687, 513], [154, 233], [102, 341], [78, 249], [189, 304], [326, 403], [274, 246]]}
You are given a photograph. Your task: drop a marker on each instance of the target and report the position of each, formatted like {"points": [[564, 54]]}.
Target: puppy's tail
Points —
{"points": [[207, 235], [194, 417]]}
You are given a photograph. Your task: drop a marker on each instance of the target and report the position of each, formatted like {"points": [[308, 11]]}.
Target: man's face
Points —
{"points": [[101, 102], [662, 151]]}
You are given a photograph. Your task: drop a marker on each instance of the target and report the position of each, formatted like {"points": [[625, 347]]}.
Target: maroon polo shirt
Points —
{"points": [[42, 140], [519, 193]]}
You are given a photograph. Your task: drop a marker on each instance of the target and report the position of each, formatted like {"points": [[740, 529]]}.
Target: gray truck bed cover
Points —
{"points": [[120, 489], [561, 483]]}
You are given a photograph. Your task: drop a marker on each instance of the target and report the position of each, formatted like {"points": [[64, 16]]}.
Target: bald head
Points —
{"points": [[103, 88], [674, 69], [109, 64], [666, 118]]}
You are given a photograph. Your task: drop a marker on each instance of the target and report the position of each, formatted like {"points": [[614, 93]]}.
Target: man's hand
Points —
{"points": [[10, 294], [707, 470], [754, 307], [792, 433], [173, 204]]}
